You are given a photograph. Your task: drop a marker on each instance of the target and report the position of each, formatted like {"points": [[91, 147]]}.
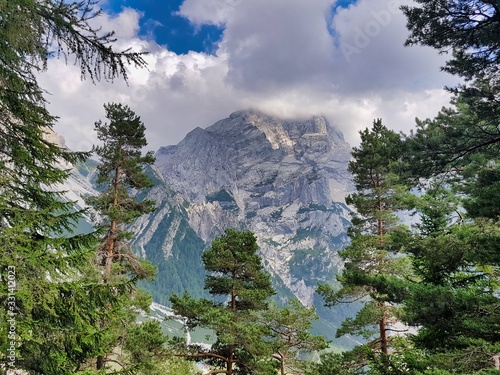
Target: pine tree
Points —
{"points": [[456, 299], [121, 170], [453, 299], [374, 270], [288, 331], [55, 295], [463, 136], [469, 29], [119, 173], [236, 275]]}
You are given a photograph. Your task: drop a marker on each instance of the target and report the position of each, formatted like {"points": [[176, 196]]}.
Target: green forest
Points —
{"points": [[428, 291]]}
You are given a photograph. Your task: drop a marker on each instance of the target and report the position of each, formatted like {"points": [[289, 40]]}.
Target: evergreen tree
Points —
{"points": [[236, 276], [121, 171], [374, 271], [52, 303], [466, 135], [288, 332], [453, 300], [483, 189], [469, 29]]}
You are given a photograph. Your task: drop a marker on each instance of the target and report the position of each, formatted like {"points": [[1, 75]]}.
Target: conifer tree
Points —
{"points": [[120, 173], [453, 300], [373, 272], [288, 332], [237, 279], [52, 304], [468, 29]]}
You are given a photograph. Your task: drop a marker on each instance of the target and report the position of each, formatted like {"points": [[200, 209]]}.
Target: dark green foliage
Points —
{"points": [[182, 268], [454, 263], [452, 298], [56, 291], [121, 164], [465, 135], [374, 168], [145, 344], [483, 192], [120, 170], [34, 31], [455, 296], [177, 257], [346, 363], [375, 273], [236, 275], [469, 29], [288, 332], [235, 270], [442, 276], [454, 301]]}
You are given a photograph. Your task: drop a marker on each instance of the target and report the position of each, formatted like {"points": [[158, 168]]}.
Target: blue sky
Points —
{"points": [[342, 59], [161, 23]]}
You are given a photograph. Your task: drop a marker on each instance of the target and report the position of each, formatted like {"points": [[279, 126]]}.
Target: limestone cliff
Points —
{"points": [[284, 180]]}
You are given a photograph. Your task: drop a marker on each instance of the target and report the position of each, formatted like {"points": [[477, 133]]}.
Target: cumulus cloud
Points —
{"points": [[291, 58], [278, 45], [370, 38], [212, 12]]}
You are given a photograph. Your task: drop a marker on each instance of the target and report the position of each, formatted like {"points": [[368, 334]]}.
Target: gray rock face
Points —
{"points": [[284, 180]]}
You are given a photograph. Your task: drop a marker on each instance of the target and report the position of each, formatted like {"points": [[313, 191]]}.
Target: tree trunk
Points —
{"points": [[380, 208], [110, 241], [229, 366], [100, 363], [384, 347]]}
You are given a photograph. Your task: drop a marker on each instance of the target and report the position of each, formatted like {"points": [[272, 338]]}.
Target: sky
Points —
{"points": [[294, 59]]}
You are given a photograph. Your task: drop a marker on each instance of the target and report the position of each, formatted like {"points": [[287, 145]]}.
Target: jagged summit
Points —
{"points": [[278, 131], [249, 144], [285, 180]]}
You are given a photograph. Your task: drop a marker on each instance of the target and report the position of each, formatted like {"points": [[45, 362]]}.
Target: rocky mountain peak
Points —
{"points": [[285, 180], [245, 145]]}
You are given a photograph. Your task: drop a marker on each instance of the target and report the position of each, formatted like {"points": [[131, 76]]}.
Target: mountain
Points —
{"points": [[283, 180]]}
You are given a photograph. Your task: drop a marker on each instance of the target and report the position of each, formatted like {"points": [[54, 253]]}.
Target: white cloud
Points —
{"points": [[278, 45], [285, 57], [212, 12], [125, 24]]}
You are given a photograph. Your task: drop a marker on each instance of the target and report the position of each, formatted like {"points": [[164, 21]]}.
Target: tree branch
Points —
{"points": [[202, 355]]}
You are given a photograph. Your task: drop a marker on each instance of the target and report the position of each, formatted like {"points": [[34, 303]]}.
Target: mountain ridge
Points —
{"points": [[284, 180]]}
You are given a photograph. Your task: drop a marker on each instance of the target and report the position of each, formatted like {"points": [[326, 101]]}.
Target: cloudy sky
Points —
{"points": [[343, 59]]}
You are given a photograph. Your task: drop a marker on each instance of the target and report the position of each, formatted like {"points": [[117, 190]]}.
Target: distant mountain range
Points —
{"points": [[286, 181]]}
